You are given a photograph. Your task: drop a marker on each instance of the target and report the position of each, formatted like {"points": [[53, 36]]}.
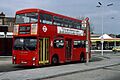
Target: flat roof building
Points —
{"points": [[6, 29]]}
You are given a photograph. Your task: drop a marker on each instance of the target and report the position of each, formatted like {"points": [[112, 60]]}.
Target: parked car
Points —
{"points": [[116, 49]]}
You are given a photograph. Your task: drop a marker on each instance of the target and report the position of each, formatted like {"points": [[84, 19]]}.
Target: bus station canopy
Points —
{"points": [[105, 37]]}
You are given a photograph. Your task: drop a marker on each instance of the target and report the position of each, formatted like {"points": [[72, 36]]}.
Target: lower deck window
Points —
{"points": [[58, 43], [79, 44]]}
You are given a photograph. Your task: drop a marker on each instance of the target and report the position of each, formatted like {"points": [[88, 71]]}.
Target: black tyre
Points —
{"points": [[55, 60], [82, 58]]}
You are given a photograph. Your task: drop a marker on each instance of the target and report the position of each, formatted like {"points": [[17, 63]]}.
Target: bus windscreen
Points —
{"points": [[26, 18], [28, 44]]}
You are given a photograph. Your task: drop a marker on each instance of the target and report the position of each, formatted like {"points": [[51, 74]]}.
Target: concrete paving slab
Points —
{"points": [[46, 72]]}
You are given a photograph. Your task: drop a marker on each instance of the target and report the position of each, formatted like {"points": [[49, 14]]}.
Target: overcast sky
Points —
{"points": [[73, 8]]}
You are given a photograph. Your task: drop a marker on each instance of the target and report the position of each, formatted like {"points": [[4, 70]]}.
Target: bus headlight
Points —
{"points": [[14, 57], [33, 58], [33, 64]]}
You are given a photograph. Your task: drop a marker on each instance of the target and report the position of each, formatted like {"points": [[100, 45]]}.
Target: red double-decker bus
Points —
{"points": [[42, 37]]}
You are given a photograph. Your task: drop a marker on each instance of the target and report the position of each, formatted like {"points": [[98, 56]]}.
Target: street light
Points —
{"points": [[102, 39]]}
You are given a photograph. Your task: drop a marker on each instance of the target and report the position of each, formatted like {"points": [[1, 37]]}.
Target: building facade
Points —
{"points": [[6, 28]]}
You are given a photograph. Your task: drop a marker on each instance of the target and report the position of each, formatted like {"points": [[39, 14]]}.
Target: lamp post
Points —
{"points": [[102, 39], [115, 40]]}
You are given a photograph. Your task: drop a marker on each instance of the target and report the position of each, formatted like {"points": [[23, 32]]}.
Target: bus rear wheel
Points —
{"points": [[82, 58], [55, 60]]}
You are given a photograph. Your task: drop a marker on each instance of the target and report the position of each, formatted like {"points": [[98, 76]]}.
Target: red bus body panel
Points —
{"points": [[26, 57]]}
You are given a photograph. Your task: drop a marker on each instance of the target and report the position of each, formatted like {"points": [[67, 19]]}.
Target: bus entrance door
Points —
{"points": [[44, 50], [68, 50]]}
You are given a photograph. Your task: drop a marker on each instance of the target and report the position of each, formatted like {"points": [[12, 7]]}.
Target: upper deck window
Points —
{"points": [[27, 18], [77, 25], [46, 18], [57, 21]]}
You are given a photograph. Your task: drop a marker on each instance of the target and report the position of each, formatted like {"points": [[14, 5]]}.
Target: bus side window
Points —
{"points": [[79, 44], [41, 18], [33, 17], [57, 21], [83, 28], [66, 23], [70, 23], [78, 25], [46, 18], [83, 44], [58, 43]]}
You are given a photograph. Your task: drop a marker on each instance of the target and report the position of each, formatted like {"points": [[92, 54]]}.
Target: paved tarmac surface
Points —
{"points": [[106, 73], [53, 71], [6, 64], [98, 62]]}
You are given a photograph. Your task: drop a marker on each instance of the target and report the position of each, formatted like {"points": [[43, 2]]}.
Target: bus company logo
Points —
{"points": [[44, 28]]}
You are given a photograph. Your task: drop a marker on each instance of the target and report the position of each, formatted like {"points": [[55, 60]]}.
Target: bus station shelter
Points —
{"points": [[108, 42]]}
